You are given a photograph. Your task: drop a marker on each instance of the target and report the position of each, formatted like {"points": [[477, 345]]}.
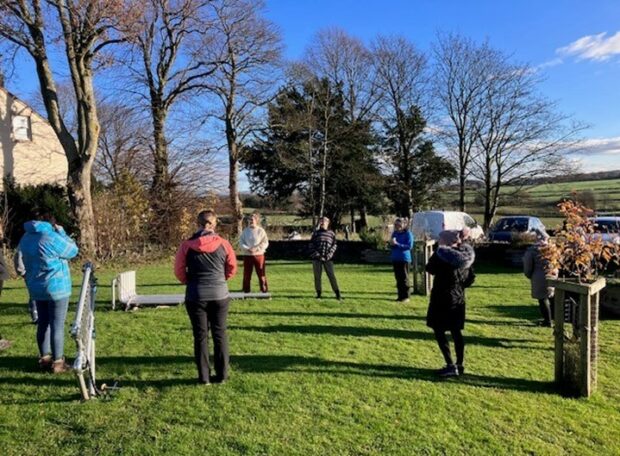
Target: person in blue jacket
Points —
{"points": [[401, 243], [46, 250]]}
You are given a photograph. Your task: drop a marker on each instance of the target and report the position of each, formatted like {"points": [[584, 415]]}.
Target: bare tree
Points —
{"points": [[123, 145], [248, 48], [402, 80], [460, 78], [169, 67], [346, 62], [520, 135], [86, 28]]}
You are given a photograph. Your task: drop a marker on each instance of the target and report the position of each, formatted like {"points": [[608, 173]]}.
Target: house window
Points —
{"points": [[22, 128]]}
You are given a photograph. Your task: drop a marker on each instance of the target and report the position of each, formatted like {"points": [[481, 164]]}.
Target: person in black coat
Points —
{"points": [[451, 265]]}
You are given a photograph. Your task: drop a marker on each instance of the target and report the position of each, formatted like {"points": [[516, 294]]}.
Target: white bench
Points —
{"points": [[124, 287]]}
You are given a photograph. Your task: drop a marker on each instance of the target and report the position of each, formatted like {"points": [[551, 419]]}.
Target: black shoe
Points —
{"points": [[460, 368], [339, 296], [216, 379], [318, 295], [448, 371]]}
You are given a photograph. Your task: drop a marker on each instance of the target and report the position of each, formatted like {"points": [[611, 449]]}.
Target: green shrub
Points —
{"points": [[374, 238], [20, 202]]}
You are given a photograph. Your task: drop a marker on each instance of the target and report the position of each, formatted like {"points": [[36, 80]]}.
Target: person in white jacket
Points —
{"points": [[253, 242]]}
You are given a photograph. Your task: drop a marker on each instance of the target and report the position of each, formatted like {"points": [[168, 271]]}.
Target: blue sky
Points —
{"points": [[585, 79], [574, 43]]}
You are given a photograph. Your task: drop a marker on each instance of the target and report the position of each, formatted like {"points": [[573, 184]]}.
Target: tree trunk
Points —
{"points": [[233, 171], [462, 190], [160, 187], [79, 161], [363, 218], [352, 220], [80, 170], [79, 187], [160, 177], [488, 216], [235, 201], [323, 179], [462, 172]]}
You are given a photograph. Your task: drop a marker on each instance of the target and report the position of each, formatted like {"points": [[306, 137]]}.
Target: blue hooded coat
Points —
{"points": [[45, 253]]}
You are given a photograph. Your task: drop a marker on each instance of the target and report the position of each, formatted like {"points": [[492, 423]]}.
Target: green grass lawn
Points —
{"points": [[310, 377]]}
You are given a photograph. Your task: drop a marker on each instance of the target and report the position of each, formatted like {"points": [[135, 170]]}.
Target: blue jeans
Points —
{"points": [[51, 327]]}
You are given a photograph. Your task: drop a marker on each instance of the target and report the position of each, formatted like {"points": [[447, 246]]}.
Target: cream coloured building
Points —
{"points": [[31, 152]]}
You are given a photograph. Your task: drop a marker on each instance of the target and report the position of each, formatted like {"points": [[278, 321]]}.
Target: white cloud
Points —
{"points": [[593, 47], [605, 146], [598, 154], [549, 63]]}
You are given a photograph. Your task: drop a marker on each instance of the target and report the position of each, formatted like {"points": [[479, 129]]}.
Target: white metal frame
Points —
{"points": [[124, 291], [84, 365]]}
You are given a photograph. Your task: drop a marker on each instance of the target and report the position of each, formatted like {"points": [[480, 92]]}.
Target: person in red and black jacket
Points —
{"points": [[204, 263]]}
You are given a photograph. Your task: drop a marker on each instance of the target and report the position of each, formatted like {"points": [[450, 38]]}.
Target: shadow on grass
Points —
{"points": [[249, 364], [11, 308], [269, 364], [332, 314], [521, 311], [360, 316], [355, 331]]}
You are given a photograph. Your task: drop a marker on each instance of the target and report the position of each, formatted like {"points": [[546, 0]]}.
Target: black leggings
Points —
{"points": [[546, 309], [444, 345]]}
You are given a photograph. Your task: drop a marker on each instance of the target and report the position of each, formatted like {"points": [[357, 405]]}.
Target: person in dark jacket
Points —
{"points": [[46, 250], [451, 265], [401, 243], [535, 268], [322, 249], [204, 263]]}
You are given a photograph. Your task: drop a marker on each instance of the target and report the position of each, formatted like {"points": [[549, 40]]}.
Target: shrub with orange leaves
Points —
{"points": [[577, 251]]}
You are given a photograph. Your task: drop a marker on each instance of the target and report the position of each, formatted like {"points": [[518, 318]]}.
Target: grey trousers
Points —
{"points": [[317, 267]]}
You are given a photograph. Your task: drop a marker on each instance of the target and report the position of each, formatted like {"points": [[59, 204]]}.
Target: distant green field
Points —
{"points": [[539, 200], [542, 200]]}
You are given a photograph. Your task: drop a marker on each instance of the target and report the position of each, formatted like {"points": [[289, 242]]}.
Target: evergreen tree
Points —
{"points": [[311, 147], [415, 170]]}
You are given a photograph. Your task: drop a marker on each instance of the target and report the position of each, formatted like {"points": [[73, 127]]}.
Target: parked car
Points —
{"points": [[506, 228], [428, 224], [608, 228]]}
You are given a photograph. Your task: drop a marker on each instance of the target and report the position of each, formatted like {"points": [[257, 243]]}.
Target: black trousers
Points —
{"points": [[546, 309], [444, 345], [213, 314], [401, 273]]}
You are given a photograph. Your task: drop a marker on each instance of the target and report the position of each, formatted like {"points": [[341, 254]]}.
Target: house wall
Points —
{"points": [[38, 160]]}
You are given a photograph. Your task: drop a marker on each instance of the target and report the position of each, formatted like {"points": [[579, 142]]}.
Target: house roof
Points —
{"points": [[33, 111]]}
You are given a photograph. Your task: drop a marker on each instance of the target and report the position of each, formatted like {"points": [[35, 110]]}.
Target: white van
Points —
{"points": [[428, 224]]}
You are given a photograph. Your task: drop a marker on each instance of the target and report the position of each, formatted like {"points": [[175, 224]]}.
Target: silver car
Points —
{"points": [[608, 228]]}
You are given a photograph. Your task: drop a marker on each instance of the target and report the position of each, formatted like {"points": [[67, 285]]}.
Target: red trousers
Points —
{"points": [[254, 262]]}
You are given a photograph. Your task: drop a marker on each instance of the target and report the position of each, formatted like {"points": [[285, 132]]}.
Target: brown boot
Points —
{"points": [[45, 363], [60, 367]]}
